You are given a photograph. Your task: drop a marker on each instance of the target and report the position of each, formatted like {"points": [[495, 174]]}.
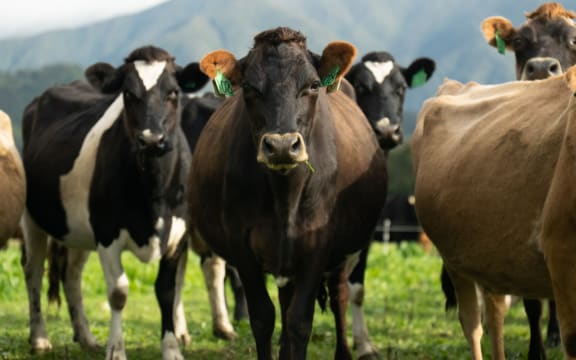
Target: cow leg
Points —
{"points": [[468, 312], [285, 294], [240, 307], [362, 345], [533, 309], [338, 291], [552, 331], [214, 270], [72, 283], [260, 308], [180, 325], [35, 245], [495, 311], [117, 291], [168, 291], [300, 314]]}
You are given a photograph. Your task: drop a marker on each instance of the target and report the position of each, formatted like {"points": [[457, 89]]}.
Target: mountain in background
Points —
{"points": [[447, 31]]}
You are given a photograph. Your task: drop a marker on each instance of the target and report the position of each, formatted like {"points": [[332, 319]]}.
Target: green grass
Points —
{"points": [[404, 309]]}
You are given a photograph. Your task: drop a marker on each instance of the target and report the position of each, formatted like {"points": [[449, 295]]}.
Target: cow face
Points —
{"points": [[380, 85], [150, 84], [282, 85], [544, 46]]}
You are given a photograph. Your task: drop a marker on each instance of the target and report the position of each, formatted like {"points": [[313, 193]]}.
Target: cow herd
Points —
{"points": [[284, 172]]}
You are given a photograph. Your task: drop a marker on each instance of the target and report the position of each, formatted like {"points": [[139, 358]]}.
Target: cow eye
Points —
{"points": [[315, 86], [573, 42]]}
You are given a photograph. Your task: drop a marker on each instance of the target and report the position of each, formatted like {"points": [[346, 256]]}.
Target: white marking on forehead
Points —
{"points": [[149, 72], [380, 69]]}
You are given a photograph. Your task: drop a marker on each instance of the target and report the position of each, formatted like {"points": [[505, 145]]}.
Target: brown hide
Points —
{"points": [[12, 182], [484, 158]]}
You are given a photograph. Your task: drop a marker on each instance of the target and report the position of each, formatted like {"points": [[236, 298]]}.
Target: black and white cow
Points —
{"points": [[379, 84], [106, 171]]}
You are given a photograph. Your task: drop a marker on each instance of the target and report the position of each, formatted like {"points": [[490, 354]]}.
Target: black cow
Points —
{"points": [[288, 179], [379, 85], [106, 170]]}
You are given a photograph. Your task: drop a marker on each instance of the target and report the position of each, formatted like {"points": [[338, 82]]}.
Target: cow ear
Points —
{"points": [[104, 77], [419, 72], [498, 32], [191, 78], [222, 67], [336, 60], [571, 78]]}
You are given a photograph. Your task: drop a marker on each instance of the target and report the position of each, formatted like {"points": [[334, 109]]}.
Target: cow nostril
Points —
{"points": [[296, 146], [267, 146], [554, 69], [530, 69]]}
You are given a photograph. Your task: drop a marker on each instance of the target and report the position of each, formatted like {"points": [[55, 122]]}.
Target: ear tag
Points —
{"points": [[329, 79], [419, 78], [222, 86], [500, 44]]}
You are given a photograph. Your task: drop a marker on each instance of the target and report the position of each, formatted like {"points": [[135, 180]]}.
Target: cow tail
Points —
{"points": [[448, 289], [322, 296], [57, 262]]}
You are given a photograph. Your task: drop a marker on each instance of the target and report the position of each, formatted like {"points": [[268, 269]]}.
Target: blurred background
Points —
{"points": [[43, 43]]}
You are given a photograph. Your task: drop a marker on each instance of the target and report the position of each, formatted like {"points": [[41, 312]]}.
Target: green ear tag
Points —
{"points": [[419, 78], [329, 79], [223, 85], [500, 44]]}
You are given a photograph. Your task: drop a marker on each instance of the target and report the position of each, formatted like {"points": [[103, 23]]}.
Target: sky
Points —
{"points": [[28, 17]]}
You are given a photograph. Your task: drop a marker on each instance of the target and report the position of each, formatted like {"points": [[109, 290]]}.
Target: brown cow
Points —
{"points": [[543, 46], [12, 182], [287, 179], [485, 156]]}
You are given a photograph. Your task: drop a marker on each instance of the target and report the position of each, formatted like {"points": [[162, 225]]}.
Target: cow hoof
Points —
{"points": [[225, 334], [370, 356], [88, 343], [553, 341], [184, 339], [40, 345]]}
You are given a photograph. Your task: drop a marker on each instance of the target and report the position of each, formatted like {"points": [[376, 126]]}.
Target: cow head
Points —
{"points": [[150, 84], [544, 45], [380, 84], [283, 87]]}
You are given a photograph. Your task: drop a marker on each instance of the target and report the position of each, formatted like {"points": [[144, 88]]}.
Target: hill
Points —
{"points": [[446, 30]]}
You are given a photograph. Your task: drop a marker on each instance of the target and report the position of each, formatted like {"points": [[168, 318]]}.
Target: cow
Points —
{"points": [[543, 46], [490, 159], [379, 85], [106, 166], [12, 182], [288, 179]]}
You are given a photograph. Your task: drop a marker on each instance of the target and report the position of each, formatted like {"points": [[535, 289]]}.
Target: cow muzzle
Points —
{"points": [[389, 135], [153, 143], [282, 152], [541, 68]]}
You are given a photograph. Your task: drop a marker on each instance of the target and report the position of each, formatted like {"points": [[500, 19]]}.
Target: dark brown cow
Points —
{"points": [[12, 182], [287, 179]]}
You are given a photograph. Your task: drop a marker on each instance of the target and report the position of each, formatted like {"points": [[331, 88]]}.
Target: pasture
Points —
{"points": [[404, 309]]}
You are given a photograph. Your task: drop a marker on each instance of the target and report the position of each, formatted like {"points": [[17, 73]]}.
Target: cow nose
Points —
{"points": [[282, 150], [148, 139], [541, 68], [389, 135]]}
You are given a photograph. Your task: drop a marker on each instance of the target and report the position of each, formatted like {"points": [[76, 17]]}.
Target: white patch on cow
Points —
{"points": [[214, 271], [75, 185], [282, 281], [147, 133], [380, 69], [159, 224], [383, 124], [149, 72], [152, 250]]}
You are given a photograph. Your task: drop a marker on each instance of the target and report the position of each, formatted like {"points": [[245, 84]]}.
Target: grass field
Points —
{"points": [[404, 310]]}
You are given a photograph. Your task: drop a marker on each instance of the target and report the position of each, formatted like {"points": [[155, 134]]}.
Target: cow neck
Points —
{"points": [[302, 195]]}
